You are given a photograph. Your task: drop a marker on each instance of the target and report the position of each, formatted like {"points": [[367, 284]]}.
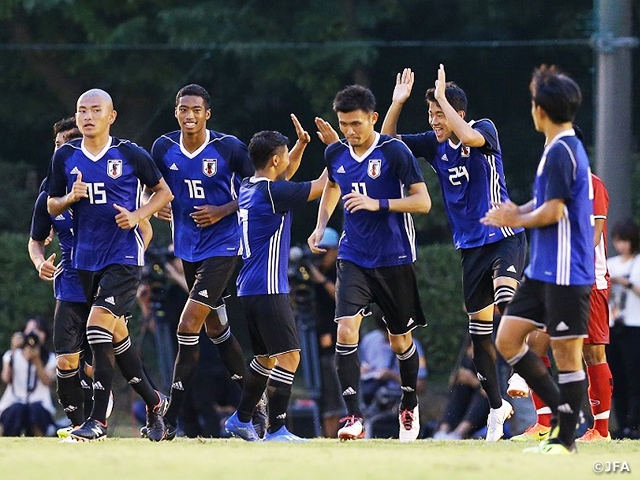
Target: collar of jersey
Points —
{"points": [[199, 150], [95, 158], [255, 179], [566, 133], [359, 159]]}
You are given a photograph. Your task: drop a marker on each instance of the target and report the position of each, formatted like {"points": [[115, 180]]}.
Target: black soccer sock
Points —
{"points": [[101, 342], [185, 369], [348, 368], [409, 363], [70, 395], [484, 359], [529, 366], [131, 367], [572, 388], [255, 381], [279, 393], [231, 355]]}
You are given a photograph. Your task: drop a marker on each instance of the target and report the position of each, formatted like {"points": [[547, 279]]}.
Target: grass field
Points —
{"points": [[193, 459]]}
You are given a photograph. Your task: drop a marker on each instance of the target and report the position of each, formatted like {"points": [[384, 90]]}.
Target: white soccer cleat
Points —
{"points": [[518, 387], [409, 424], [353, 428], [496, 419]]}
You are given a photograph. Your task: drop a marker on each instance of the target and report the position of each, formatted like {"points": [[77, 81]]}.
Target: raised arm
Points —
{"points": [[295, 155], [465, 133], [401, 93]]}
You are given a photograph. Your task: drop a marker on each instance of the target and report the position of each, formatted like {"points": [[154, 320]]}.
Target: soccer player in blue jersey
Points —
{"points": [[380, 184], [72, 311], [265, 202], [204, 169], [554, 294], [467, 159], [98, 179]]}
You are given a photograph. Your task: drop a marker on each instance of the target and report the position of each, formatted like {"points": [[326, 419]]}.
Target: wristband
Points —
{"points": [[383, 205]]}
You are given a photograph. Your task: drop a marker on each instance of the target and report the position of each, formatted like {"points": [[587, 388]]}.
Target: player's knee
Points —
{"points": [[68, 362], [289, 361]]}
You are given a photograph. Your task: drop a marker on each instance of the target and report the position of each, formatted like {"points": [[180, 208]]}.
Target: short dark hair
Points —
{"points": [[263, 145], [194, 90], [67, 124], [627, 230], [556, 93], [354, 97], [454, 94]]}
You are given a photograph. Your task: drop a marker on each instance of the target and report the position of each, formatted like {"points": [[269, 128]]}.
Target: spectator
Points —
{"points": [[623, 351], [29, 370], [467, 408]]}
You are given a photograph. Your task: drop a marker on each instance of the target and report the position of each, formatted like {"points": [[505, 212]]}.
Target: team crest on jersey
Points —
{"points": [[209, 166], [373, 170], [465, 151], [114, 168]]}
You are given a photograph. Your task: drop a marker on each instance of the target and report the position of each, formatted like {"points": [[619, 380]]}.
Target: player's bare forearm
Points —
{"points": [[328, 203], [161, 196], [317, 186], [390, 123], [418, 200]]}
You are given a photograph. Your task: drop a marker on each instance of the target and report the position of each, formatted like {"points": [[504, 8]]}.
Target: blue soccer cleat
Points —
{"points": [[283, 435], [244, 430]]}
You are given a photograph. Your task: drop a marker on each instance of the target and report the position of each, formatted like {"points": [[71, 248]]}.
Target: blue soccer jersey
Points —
{"points": [[209, 176], [66, 284], [114, 176], [381, 238], [470, 179], [265, 219], [562, 253]]}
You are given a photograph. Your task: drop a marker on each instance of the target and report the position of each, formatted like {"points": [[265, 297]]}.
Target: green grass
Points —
{"points": [[193, 459]]}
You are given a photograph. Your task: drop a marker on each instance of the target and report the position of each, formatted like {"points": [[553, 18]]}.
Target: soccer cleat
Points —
{"points": [[409, 424], [283, 435], [156, 430], [594, 436], [260, 417], [534, 433], [518, 387], [552, 447], [353, 428], [90, 431], [496, 419], [244, 430], [64, 431], [144, 431]]}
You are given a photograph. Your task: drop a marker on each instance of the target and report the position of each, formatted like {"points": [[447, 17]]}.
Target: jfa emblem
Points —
{"points": [[465, 151], [209, 166], [374, 168], [114, 168]]}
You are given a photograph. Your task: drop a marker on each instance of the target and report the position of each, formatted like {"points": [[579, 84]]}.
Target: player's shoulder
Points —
{"points": [[68, 149], [337, 147], [483, 124], [218, 138], [165, 141], [127, 146]]}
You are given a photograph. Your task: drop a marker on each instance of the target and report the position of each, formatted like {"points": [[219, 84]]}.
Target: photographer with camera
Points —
{"points": [[28, 369]]}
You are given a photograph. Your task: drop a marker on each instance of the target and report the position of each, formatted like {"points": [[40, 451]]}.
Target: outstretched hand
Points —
{"points": [[303, 135], [404, 85], [326, 133], [501, 215], [441, 83]]}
